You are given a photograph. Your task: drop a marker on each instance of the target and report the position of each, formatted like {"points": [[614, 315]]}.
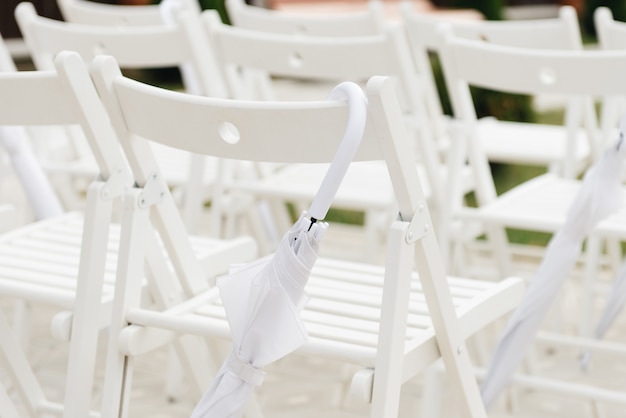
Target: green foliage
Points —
{"points": [[217, 5], [491, 9], [503, 106]]}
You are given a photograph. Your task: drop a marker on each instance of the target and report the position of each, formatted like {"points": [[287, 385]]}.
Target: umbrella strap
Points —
{"points": [[244, 370]]}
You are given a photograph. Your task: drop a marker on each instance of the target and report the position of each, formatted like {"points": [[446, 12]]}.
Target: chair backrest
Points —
{"points": [[63, 97], [359, 23], [94, 13], [525, 71], [150, 46], [562, 32]]}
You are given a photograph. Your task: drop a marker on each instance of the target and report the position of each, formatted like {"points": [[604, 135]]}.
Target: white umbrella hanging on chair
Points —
{"points": [[39, 192], [599, 196], [262, 299]]}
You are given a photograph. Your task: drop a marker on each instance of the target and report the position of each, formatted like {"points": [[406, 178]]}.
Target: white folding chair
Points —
{"points": [[95, 13], [46, 261], [359, 23], [569, 151], [329, 59], [67, 261], [397, 338], [154, 46], [541, 203]]}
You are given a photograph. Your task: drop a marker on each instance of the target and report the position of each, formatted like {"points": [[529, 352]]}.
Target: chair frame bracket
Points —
{"points": [[113, 186], [419, 225], [153, 191]]}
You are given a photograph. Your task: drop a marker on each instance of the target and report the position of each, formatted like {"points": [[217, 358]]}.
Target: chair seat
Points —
{"points": [[39, 262], [520, 143], [541, 204], [343, 314]]}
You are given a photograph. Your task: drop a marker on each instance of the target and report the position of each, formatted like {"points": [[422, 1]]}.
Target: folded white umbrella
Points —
{"points": [[39, 192], [263, 299], [599, 196]]}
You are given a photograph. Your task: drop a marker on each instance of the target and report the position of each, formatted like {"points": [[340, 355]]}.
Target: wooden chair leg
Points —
{"points": [[117, 383], [86, 318], [388, 376]]}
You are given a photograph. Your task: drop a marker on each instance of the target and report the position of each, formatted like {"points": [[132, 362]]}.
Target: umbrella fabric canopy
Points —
{"points": [[40, 194], [599, 195], [262, 299], [262, 302]]}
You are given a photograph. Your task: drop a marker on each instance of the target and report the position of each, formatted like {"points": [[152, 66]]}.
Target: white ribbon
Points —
{"points": [[244, 370]]}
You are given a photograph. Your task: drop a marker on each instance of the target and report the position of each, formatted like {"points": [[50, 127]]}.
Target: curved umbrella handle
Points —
{"points": [[357, 117]]}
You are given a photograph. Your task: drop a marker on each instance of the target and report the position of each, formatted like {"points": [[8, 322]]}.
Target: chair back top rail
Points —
{"points": [[532, 71], [562, 32], [157, 46], [94, 13], [357, 23]]}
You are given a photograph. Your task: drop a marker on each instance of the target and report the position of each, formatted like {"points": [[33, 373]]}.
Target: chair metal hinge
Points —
{"points": [[420, 224], [114, 185], [153, 191]]}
